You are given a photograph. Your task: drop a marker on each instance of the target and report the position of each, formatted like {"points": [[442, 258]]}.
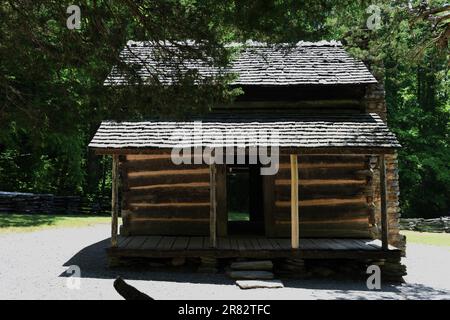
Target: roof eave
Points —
{"points": [[283, 150]]}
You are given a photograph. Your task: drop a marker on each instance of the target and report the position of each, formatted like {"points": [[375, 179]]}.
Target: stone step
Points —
{"points": [[294, 268], [207, 269], [251, 275], [259, 284], [252, 265], [296, 262], [178, 261]]}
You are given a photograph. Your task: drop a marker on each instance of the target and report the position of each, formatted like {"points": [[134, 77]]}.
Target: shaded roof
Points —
{"points": [[292, 131], [305, 63]]}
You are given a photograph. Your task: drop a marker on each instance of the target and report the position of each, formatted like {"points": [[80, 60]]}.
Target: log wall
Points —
{"points": [[332, 197], [338, 197], [160, 197]]}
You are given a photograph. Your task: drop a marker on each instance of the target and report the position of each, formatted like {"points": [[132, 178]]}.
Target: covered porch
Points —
{"points": [[250, 247], [219, 245], [330, 136]]}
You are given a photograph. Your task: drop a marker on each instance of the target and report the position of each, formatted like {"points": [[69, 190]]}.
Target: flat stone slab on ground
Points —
{"points": [[251, 275], [252, 265], [259, 284]]}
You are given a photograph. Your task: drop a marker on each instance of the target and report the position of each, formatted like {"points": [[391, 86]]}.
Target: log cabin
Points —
{"points": [[334, 193]]}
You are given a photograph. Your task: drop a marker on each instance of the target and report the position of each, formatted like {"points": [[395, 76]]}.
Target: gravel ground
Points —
{"points": [[33, 266]]}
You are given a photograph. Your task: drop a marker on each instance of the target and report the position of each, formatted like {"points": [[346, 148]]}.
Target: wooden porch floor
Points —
{"points": [[250, 247]]}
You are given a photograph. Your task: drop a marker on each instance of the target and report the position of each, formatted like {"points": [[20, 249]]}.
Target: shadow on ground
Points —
{"points": [[92, 261], [353, 289]]}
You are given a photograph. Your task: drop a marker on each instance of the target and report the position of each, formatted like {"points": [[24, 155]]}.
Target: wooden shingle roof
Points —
{"points": [[306, 63], [287, 131]]}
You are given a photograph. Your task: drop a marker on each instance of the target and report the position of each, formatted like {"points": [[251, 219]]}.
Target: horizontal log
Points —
{"points": [[167, 179], [134, 219], [323, 202], [312, 165], [322, 173], [167, 195], [159, 164], [366, 151], [308, 192], [299, 104], [325, 213], [326, 159], [169, 210], [175, 171], [282, 182], [326, 110], [324, 231], [199, 227], [169, 205], [181, 215], [337, 223], [179, 228], [184, 186], [163, 155], [312, 199]]}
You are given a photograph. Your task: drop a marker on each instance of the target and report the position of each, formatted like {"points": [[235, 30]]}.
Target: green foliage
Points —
{"points": [[425, 156], [52, 97], [417, 93], [405, 53]]}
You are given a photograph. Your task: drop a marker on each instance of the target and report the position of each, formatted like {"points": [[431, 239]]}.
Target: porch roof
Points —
{"points": [[351, 131]]}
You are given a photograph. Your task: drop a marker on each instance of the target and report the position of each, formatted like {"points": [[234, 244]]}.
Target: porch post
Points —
{"points": [[114, 199], [383, 195], [294, 203], [212, 206]]}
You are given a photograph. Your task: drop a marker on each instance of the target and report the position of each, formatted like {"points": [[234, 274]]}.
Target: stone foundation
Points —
{"points": [[375, 102]]}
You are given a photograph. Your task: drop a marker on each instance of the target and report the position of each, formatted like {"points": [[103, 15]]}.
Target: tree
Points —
{"points": [[52, 97]]}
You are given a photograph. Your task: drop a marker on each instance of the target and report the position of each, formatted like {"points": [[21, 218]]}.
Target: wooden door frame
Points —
{"points": [[268, 188], [221, 198]]}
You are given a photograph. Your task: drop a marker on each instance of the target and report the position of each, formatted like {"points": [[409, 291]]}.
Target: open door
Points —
{"points": [[245, 213]]}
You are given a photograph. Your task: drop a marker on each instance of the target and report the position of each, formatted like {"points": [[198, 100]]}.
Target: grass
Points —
{"points": [[34, 222], [434, 239], [238, 216]]}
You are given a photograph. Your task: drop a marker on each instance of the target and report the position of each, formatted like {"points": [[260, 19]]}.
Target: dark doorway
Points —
{"points": [[245, 200]]}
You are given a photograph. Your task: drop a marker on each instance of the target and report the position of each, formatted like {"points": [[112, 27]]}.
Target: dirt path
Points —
{"points": [[33, 266]]}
